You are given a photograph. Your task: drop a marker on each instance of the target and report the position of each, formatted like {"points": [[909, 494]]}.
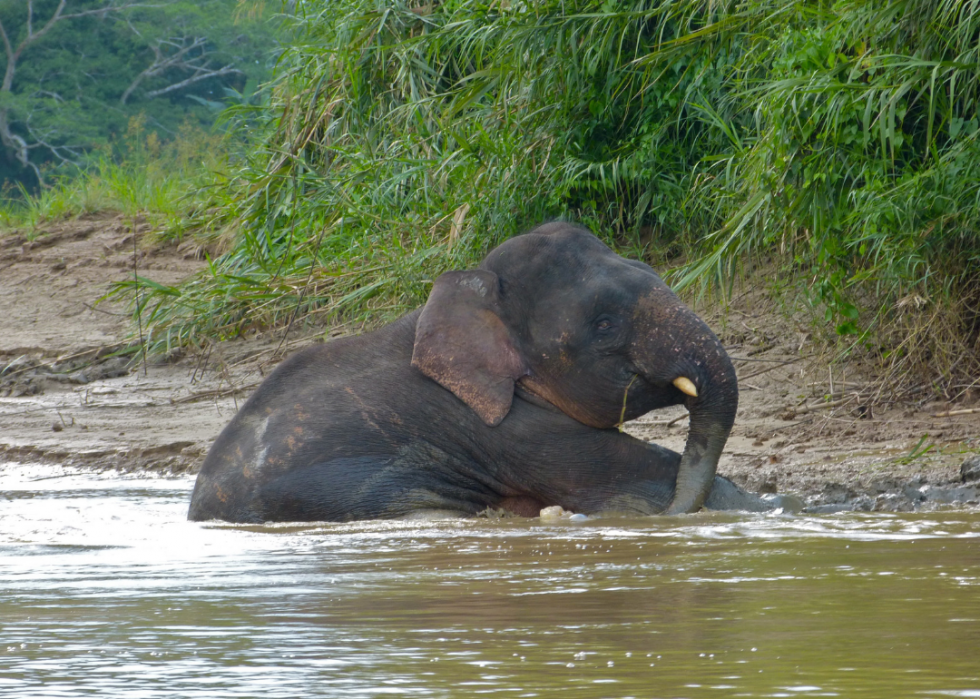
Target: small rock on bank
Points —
{"points": [[970, 469]]}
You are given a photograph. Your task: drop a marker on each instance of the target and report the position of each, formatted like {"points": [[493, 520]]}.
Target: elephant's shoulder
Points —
{"points": [[345, 357]]}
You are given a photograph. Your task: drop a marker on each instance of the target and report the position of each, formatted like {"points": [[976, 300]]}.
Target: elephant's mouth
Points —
{"points": [[526, 393], [540, 390], [539, 393]]}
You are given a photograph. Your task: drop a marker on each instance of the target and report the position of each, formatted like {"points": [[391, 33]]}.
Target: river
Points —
{"points": [[106, 590]]}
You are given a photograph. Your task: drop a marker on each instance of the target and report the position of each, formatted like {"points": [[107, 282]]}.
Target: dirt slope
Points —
{"points": [[802, 428], [61, 398]]}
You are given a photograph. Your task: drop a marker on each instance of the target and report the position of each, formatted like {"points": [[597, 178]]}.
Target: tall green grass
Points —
{"points": [[140, 176], [861, 168], [399, 140]]}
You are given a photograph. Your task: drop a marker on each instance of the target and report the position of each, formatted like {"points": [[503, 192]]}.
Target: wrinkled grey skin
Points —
{"points": [[504, 391]]}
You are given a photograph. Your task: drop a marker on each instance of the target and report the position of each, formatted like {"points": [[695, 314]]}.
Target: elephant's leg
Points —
{"points": [[725, 495], [558, 461], [419, 479], [554, 460], [337, 490]]}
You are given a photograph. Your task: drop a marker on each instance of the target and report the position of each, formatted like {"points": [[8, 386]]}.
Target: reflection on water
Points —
{"points": [[105, 590]]}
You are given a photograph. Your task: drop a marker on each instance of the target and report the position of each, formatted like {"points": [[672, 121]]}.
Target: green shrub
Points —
{"points": [[863, 166], [139, 176]]}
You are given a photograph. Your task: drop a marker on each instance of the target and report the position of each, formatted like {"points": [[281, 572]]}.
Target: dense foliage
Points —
{"points": [[76, 71], [400, 140]]}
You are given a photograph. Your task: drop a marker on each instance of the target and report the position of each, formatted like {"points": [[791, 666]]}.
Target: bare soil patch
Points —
{"points": [[803, 427], [64, 396]]}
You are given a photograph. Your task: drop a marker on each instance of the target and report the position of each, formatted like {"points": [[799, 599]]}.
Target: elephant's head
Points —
{"points": [[556, 313]]}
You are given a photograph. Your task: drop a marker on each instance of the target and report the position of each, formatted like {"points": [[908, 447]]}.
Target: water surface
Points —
{"points": [[106, 590]]}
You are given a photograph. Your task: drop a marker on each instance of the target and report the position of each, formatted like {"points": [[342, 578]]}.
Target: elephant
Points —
{"points": [[506, 390]]}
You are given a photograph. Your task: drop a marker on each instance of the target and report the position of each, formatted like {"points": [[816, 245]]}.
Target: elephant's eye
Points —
{"points": [[604, 325]]}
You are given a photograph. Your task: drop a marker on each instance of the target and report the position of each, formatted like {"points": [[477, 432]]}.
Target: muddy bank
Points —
{"points": [[66, 397]]}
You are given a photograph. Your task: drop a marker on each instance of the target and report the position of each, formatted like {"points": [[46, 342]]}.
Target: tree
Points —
{"points": [[75, 71], [11, 140]]}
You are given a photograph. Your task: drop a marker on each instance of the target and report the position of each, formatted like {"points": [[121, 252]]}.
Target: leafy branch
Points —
{"points": [[71, 72], [186, 54], [11, 140]]}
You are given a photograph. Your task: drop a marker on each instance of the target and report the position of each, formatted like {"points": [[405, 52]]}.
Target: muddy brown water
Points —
{"points": [[106, 590]]}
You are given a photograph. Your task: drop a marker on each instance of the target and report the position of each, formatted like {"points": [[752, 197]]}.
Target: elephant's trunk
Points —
{"points": [[711, 423], [693, 353]]}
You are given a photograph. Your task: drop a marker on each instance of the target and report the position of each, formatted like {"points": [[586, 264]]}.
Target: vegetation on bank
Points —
{"points": [[147, 176], [838, 140]]}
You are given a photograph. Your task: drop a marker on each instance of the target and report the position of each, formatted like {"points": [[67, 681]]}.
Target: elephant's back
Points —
{"points": [[342, 362]]}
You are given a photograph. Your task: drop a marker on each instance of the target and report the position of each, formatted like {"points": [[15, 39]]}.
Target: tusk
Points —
{"points": [[686, 385]]}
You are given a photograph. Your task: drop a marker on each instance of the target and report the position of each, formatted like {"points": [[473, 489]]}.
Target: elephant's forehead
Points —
{"points": [[601, 284], [550, 251], [561, 312]]}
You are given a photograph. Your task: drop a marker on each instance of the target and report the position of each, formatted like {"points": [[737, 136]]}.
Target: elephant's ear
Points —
{"points": [[462, 343]]}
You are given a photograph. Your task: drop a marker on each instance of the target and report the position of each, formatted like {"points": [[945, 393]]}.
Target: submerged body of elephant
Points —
{"points": [[504, 391]]}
